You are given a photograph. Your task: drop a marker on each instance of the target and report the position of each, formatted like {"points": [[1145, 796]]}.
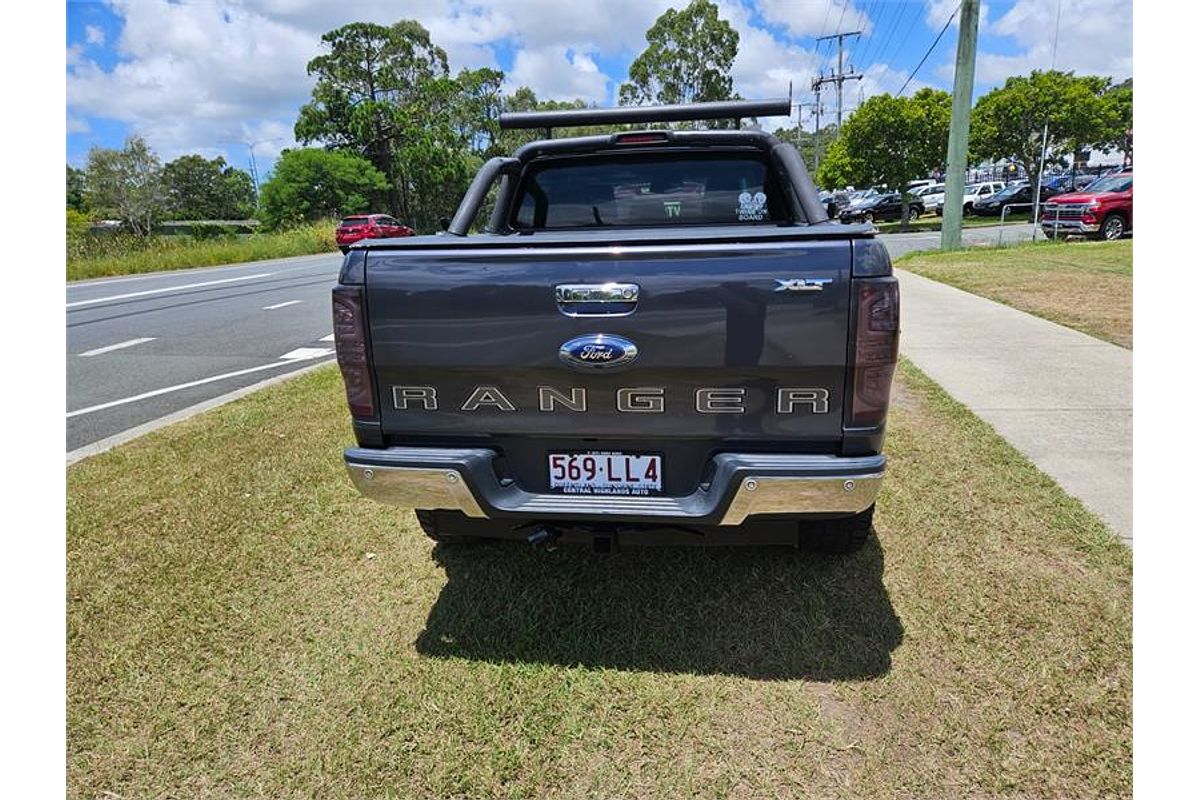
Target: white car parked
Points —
{"points": [[971, 193], [931, 196]]}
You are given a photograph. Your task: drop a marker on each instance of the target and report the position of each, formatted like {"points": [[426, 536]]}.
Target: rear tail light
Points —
{"points": [[350, 338], [876, 344]]}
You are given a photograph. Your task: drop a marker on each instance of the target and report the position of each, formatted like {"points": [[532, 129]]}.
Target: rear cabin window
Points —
{"points": [[350, 222], [657, 189]]}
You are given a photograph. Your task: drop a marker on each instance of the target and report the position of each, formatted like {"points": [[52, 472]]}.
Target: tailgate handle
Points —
{"points": [[596, 299]]}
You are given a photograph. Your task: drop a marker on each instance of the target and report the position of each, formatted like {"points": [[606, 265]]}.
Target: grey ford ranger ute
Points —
{"points": [[658, 338]]}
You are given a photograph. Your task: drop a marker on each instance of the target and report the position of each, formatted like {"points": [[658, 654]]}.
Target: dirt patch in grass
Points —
{"points": [[1087, 286], [241, 623]]}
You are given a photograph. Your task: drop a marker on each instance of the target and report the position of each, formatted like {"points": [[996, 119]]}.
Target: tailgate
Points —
{"points": [[735, 342]]}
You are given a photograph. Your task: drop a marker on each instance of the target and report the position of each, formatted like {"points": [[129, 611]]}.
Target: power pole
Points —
{"points": [[817, 130], [841, 76], [816, 107], [960, 125]]}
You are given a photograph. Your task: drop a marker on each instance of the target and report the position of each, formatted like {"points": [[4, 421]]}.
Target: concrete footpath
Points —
{"points": [[1062, 398]]}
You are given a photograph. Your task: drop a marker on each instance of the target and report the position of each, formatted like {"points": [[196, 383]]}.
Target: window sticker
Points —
{"points": [[752, 207]]}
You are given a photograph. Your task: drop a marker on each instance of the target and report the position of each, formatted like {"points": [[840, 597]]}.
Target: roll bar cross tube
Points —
{"points": [[577, 117]]}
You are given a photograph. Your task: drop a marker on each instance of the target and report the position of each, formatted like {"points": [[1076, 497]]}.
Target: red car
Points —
{"points": [[1104, 209], [369, 226]]}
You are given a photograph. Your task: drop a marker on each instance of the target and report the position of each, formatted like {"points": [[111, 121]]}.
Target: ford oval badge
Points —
{"points": [[597, 351]]}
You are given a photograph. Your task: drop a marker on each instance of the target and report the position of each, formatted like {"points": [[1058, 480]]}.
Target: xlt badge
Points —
{"points": [[801, 284], [597, 351]]}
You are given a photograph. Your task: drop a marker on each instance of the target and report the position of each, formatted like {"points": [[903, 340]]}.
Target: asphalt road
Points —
{"points": [[144, 347], [187, 336]]}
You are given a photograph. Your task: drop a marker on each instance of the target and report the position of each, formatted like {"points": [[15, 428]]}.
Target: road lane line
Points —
{"points": [[289, 358], [117, 346], [282, 305], [95, 300], [305, 353], [328, 338], [132, 433]]}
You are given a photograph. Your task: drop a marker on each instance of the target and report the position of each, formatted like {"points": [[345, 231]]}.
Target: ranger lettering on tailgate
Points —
{"points": [[716, 400]]}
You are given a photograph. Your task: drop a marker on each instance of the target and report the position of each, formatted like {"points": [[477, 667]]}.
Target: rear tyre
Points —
{"points": [[913, 213], [838, 536], [869, 218], [429, 524], [1113, 227]]}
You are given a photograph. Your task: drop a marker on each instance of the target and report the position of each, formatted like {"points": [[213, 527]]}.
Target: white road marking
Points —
{"points": [[328, 338], [95, 300], [191, 411], [301, 354], [117, 346], [282, 305]]}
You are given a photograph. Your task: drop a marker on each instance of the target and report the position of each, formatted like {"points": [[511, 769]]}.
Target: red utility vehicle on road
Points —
{"points": [[369, 226], [1104, 209]]}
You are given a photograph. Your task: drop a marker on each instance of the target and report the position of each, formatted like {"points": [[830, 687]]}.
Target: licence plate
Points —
{"points": [[605, 473]]}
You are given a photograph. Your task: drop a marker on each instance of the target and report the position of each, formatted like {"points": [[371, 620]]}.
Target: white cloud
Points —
{"points": [[93, 34], [938, 11], [558, 73], [77, 124], [1094, 38], [193, 76], [804, 18]]}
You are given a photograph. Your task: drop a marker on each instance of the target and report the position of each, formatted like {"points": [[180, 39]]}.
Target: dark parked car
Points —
{"points": [[1015, 194], [835, 202], [882, 207], [369, 226], [658, 337]]}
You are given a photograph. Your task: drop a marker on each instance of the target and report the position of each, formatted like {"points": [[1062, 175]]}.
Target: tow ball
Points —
{"points": [[544, 536]]}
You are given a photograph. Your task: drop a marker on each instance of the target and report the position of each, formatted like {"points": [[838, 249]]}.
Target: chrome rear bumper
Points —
{"points": [[743, 485]]}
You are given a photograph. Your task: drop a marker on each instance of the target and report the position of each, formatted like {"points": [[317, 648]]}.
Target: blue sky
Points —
{"points": [[208, 76]]}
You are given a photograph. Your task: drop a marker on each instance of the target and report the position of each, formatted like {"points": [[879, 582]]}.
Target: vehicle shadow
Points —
{"points": [[765, 613]]}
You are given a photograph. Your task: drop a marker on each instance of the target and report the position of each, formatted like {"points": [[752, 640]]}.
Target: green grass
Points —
{"points": [[242, 624], [934, 223], [103, 256], [1083, 285]]}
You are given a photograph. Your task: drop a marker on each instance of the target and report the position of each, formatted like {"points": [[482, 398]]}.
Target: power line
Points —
{"points": [[891, 32], [873, 46], [930, 50], [912, 24], [870, 16]]}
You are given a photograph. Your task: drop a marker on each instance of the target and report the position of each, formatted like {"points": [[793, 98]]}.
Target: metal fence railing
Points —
{"points": [[1004, 214]]}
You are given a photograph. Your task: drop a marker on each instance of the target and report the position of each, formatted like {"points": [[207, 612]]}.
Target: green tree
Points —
{"points": [[310, 183], [890, 141], [201, 188], [808, 142], [76, 189], [1008, 122], [374, 91], [126, 184], [688, 59], [1119, 106], [835, 170]]}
